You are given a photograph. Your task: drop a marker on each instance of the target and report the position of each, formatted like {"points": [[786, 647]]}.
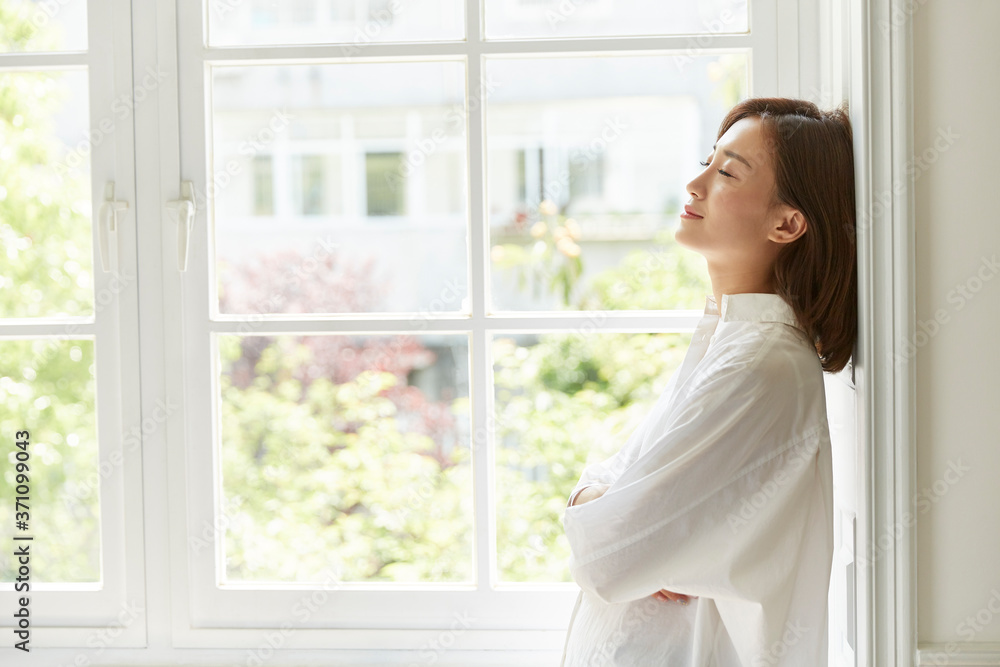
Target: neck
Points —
{"points": [[726, 280]]}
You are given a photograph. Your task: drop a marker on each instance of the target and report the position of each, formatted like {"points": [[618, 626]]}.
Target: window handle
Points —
{"points": [[107, 224], [185, 208]]}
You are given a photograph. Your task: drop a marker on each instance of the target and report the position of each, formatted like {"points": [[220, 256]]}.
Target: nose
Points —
{"points": [[695, 187]]}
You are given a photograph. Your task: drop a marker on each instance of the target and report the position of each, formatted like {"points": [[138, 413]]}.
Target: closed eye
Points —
{"points": [[721, 171]]}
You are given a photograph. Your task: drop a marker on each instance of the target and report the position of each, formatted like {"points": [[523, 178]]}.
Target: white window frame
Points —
{"points": [[503, 616], [876, 51], [872, 69], [66, 614]]}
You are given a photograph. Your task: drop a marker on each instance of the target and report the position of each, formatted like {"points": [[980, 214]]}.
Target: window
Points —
{"points": [[385, 185], [430, 275], [586, 175], [69, 431], [311, 184], [371, 404], [263, 185]]}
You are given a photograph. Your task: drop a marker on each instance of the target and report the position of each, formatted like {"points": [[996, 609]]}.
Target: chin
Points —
{"points": [[679, 235]]}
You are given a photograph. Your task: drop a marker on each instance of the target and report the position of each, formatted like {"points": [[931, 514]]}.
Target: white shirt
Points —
{"points": [[724, 492]]}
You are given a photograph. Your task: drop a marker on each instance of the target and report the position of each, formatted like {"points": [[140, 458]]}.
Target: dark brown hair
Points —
{"points": [[812, 153]]}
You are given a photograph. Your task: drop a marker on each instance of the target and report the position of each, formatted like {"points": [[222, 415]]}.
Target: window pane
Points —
{"points": [[263, 185], [47, 388], [383, 198], [607, 18], [587, 163], [43, 25], [563, 401], [352, 23], [312, 185], [365, 188], [346, 451], [45, 203]]}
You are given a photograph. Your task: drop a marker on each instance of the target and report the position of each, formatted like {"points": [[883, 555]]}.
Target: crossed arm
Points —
{"points": [[595, 491]]}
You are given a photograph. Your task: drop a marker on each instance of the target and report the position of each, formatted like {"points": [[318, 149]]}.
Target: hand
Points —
{"points": [[592, 492], [668, 596]]}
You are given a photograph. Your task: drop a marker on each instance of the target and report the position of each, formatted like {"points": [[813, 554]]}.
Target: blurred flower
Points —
{"points": [[573, 227], [547, 207], [538, 229], [560, 233], [497, 253], [567, 247]]}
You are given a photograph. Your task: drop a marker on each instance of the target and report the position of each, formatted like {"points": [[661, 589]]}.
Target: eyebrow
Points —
{"points": [[738, 157]]}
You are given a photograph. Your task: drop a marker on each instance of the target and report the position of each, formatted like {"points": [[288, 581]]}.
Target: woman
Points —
{"points": [[707, 540]]}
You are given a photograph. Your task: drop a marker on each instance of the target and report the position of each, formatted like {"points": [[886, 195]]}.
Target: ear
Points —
{"points": [[788, 226]]}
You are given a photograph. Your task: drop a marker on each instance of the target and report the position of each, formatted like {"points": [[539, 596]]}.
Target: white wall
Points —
{"points": [[957, 88]]}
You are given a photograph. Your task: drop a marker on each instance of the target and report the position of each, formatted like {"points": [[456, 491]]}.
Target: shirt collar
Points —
{"points": [[753, 307]]}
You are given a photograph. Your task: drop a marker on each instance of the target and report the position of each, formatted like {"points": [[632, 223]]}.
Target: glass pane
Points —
{"points": [[587, 163], [346, 452], [608, 18], [563, 401], [350, 197], [47, 389], [353, 23], [43, 25], [45, 203]]}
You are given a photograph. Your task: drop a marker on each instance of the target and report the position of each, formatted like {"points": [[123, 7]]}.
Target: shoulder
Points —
{"points": [[789, 358], [765, 357]]}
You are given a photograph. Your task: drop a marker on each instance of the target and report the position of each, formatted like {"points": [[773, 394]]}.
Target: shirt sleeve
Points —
{"points": [[716, 505], [611, 468]]}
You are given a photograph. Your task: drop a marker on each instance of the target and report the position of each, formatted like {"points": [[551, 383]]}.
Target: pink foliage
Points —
{"points": [[287, 282]]}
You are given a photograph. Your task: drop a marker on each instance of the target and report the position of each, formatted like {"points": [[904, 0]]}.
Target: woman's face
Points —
{"points": [[733, 194]]}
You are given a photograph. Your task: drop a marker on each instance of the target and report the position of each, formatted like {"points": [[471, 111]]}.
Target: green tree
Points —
{"points": [[331, 457], [46, 385], [329, 478], [324, 448], [565, 400]]}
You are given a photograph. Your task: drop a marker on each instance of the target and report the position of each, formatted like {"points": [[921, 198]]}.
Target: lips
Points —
{"points": [[689, 211]]}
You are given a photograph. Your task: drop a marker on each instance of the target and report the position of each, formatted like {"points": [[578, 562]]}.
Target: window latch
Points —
{"points": [[185, 208], [107, 225]]}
